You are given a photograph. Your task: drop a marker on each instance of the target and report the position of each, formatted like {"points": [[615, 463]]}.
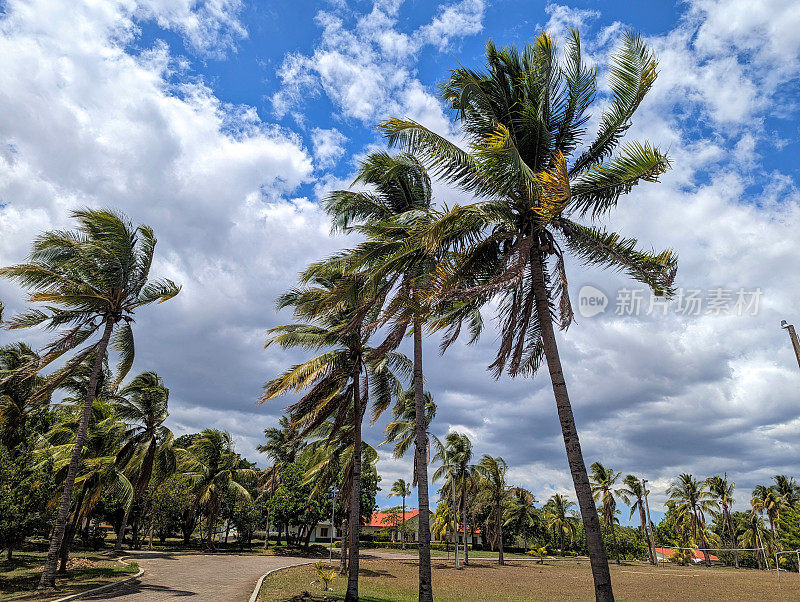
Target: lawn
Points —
{"points": [[18, 579], [384, 580]]}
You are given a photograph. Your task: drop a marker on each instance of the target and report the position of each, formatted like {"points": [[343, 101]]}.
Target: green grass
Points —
{"points": [[19, 578]]}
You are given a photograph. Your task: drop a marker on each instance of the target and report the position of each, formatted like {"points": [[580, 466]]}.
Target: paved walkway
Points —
{"points": [[220, 578]]}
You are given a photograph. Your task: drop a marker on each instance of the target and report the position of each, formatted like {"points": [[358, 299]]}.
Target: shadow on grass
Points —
{"points": [[330, 596]]}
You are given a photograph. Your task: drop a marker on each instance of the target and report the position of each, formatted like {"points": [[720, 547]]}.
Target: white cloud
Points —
{"points": [[328, 146]]}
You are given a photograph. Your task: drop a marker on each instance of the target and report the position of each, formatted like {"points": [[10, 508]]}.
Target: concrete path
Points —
{"points": [[221, 578]]}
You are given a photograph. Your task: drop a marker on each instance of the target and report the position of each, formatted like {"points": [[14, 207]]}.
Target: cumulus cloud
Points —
{"points": [[328, 146]]}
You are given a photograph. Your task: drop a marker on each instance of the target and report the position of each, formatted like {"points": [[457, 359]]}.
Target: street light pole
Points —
{"points": [[650, 539], [793, 336]]}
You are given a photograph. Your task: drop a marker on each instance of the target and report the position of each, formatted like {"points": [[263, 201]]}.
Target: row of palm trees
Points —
{"points": [[424, 268]]}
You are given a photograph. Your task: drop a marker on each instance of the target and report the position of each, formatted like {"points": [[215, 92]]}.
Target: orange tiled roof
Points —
{"points": [[386, 519]]}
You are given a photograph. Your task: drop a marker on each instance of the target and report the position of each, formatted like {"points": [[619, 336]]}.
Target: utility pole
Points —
{"points": [[793, 336], [650, 538]]}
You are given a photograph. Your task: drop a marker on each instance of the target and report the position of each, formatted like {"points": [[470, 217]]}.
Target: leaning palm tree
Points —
{"points": [[147, 448], [91, 282], [559, 520], [722, 491], [402, 489], [214, 471], [18, 398], [396, 205], [340, 379], [493, 493], [523, 118], [633, 494], [603, 481], [692, 500]]}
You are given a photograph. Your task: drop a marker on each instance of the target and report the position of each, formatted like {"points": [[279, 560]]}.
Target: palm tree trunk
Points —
{"points": [[121, 535], [643, 519], [464, 517], [500, 531], [355, 499], [421, 452], [403, 530], [48, 578], [614, 539], [591, 524], [455, 521]]}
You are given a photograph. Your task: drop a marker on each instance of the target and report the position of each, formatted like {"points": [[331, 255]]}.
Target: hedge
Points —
{"points": [[398, 545]]}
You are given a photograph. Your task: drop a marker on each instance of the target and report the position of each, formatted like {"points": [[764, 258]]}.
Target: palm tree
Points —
{"points": [[787, 489], [340, 378], [757, 537], [148, 443], [214, 472], [692, 500], [388, 215], [556, 515], [603, 481], [455, 454], [522, 514], [402, 429], [767, 499], [18, 399], [493, 493], [402, 489], [722, 491], [633, 493], [523, 116], [443, 523], [91, 281]]}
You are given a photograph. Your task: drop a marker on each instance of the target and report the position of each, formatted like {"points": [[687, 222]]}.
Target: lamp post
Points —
{"points": [[792, 335], [650, 539]]}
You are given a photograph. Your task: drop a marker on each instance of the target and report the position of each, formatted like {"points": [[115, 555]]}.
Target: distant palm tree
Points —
{"points": [[603, 481], [402, 489], [213, 469], [767, 499], [402, 429], [147, 446], [18, 388], [787, 489], [523, 116], [521, 514], [633, 494], [692, 500], [340, 378], [722, 491], [91, 282], [455, 455], [558, 519], [757, 537], [493, 493]]}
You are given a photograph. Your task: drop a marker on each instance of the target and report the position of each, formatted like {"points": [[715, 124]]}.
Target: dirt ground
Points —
{"points": [[525, 580]]}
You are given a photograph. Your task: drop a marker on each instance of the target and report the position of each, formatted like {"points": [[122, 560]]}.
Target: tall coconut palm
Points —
{"points": [[603, 481], [214, 471], [18, 399], [558, 519], [633, 493], [756, 536], [91, 282], [147, 447], [722, 491], [455, 454], [339, 379], [493, 493], [402, 489], [524, 116], [397, 204], [692, 500]]}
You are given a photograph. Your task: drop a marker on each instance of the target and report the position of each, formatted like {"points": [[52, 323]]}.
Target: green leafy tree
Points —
{"points": [[493, 494], [558, 519], [521, 516], [19, 401], [91, 282], [787, 489], [168, 501], [25, 490], [524, 116], [692, 502]]}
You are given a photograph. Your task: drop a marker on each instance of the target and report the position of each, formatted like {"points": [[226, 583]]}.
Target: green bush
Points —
{"points": [[398, 545]]}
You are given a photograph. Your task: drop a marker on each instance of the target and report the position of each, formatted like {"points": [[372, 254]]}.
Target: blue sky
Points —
{"points": [[222, 124]]}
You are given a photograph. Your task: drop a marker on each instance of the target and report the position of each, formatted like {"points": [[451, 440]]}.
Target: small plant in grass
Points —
{"points": [[325, 575], [540, 553]]}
